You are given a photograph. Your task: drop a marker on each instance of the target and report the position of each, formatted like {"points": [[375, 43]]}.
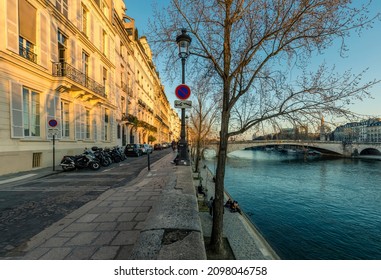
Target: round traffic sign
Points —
{"points": [[52, 123], [182, 92]]}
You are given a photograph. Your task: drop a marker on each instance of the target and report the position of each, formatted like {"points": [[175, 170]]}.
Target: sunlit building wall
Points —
{"points": [[79, 64]]}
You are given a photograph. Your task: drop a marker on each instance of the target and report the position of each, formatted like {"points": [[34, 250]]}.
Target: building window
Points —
{"points": [[27, 30], [62, 46], [26, 49], [31, 112], [65, 119], [85, 63], [104, 77], [62, 6], [104, 42]]}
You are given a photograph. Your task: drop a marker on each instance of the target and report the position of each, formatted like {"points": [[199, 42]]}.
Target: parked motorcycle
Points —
{"points": [[115, 154], [103, 157], [85, 160]]}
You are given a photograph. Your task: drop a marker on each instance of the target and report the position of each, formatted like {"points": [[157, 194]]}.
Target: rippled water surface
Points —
{"points": [[315, 209]]}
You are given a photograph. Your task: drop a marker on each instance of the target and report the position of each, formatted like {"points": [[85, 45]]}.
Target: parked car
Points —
{"points": [[147, 149], [133, 150], [165, 145], [157, 147]]}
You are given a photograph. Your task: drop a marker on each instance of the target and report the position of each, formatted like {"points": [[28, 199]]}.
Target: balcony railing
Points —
{"points": [[66, 70], [28, 54]]}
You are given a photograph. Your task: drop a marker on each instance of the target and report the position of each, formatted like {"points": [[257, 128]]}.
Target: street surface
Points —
{"points": [[28, 206]]}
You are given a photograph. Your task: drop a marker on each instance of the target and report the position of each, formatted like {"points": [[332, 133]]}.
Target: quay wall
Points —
{"points": [[249, 244]]}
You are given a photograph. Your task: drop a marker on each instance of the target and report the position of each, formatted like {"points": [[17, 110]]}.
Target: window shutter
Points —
{"points": [[77, 112], [44, 41], [27, 21], [103, 124], [17, 125], [95, 122], [112, 128], [73, 54], [12, 25], [54, 42]]}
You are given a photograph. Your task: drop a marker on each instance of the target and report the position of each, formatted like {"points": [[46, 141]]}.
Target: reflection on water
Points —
{"points": [[310, 209]]}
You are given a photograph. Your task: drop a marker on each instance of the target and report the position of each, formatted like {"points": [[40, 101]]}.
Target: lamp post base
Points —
{"points": [[183, 156]]}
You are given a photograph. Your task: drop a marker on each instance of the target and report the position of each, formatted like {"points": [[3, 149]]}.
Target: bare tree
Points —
{"points": [[250, 47], [203, 116]]}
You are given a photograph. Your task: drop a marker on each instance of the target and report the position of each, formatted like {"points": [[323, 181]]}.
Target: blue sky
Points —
{"points": [[364, 53]]}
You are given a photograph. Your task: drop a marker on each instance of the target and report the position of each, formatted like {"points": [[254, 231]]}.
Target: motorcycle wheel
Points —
{"points": [[94, 165], [105, 162], [67, 168], [117, 159]]}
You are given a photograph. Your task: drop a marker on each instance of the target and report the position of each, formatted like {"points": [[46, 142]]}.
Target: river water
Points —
{"points": [[309, 209]]}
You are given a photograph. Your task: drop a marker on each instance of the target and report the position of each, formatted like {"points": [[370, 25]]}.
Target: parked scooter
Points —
{"points": [[85, 160]]}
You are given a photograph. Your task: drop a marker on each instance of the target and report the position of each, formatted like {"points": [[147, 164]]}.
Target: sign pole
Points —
{"points": [[53, 123], [54, 152]]}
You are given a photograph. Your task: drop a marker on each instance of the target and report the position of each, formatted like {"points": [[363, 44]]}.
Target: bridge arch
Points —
{"points": [[370, 151]]}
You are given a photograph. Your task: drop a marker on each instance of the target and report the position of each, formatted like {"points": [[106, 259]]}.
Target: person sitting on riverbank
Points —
{"points": [[235, 207], [201, 190], [229, 203]]}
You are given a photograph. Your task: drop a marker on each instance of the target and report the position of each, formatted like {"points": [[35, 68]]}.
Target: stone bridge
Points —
{"points": [[325, 147]]}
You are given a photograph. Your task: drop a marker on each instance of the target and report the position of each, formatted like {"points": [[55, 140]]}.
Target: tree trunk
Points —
{"points": [[216, 241]]}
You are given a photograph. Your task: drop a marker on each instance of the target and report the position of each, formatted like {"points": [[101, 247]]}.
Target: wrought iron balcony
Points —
{"points": [[28, 54], [66, 70]]}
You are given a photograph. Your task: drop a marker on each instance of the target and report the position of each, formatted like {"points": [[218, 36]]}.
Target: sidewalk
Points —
{"points": [[155, 216]]}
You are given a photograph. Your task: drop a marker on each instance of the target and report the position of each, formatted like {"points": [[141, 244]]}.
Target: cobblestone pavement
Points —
{"points": [[105, 228], [29, 206]]}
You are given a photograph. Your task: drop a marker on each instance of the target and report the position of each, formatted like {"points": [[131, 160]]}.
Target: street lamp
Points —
{"points": [[183, 41]]}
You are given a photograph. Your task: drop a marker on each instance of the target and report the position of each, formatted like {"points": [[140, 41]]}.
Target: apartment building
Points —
{"points": [[76, 71], [364, 131]]}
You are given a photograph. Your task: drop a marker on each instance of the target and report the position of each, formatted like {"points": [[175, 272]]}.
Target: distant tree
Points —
{"points": [[151, 139], [203, 117], [249, 47]]}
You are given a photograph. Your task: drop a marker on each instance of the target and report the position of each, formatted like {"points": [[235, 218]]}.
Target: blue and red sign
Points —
{"points": [[182, 92], [52, 123]]}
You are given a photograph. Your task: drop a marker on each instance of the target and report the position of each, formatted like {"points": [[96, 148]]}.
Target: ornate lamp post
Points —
{"points": [[183, 41]]}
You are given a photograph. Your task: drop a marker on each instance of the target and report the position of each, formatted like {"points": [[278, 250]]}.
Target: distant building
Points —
{"points": [[365, 131]]}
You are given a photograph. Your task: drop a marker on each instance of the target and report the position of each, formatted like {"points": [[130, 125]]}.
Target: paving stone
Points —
{"points": [[134, 202], [105, 253], [36, 253], [56, 253], [141, 217], [122, 210], [126, 238], [108, 217], [87, 218], [83, 238], [142, 209], [123, 226], [106, 226], [105, 238], [81, 253], [55, 242], [124, 252], [81, 227], [126, 217]]}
